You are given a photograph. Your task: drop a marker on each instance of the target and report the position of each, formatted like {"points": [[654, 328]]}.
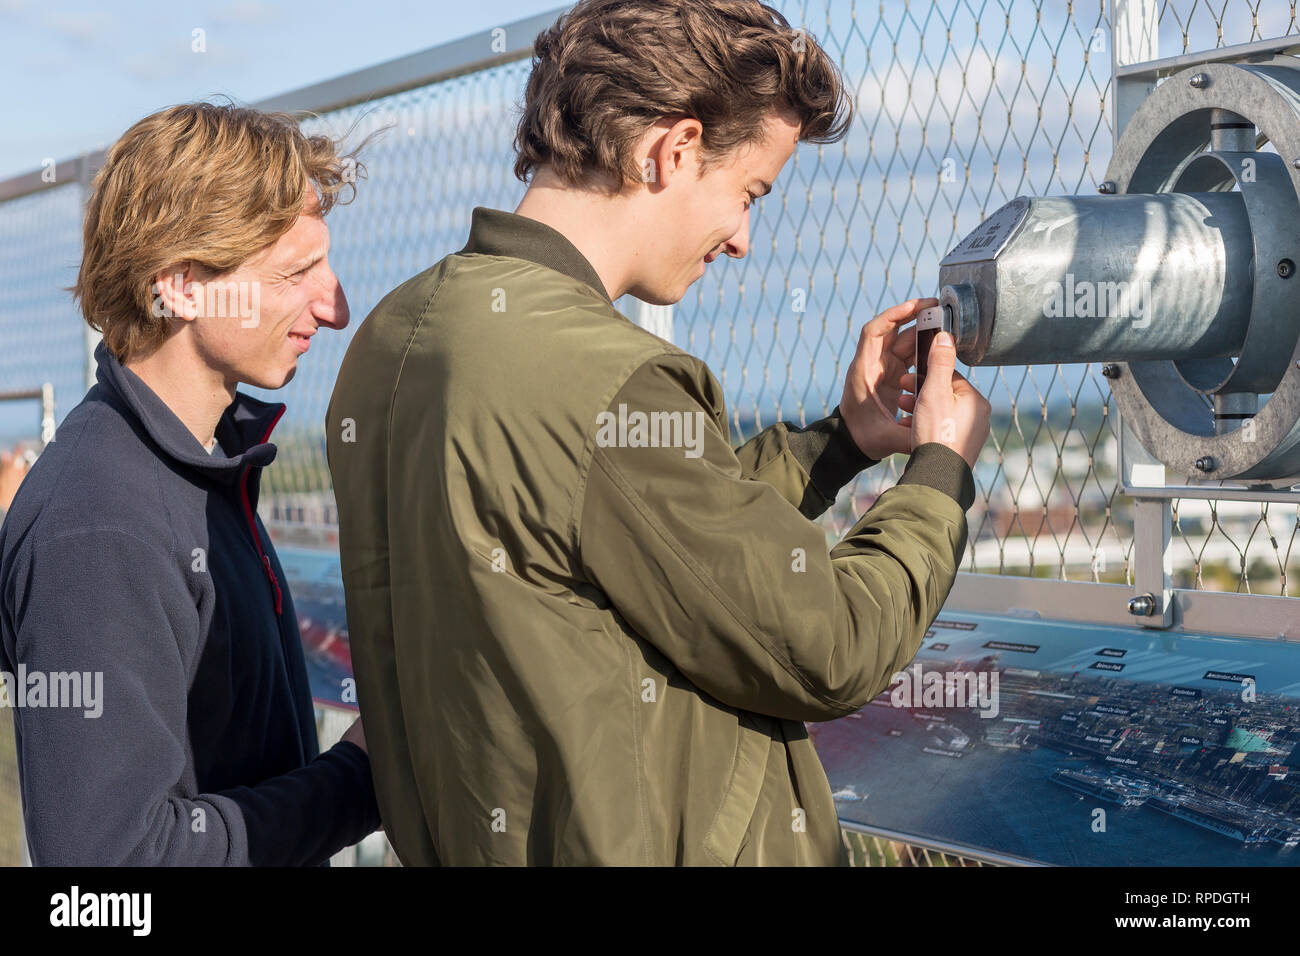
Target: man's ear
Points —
{"points": [[676, 150], [175, 292]]}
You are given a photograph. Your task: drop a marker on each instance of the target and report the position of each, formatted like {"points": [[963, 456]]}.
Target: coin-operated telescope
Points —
{"points": [[1181, 277]]}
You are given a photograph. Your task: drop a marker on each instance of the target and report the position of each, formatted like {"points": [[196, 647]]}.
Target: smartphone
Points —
{"points": [[929, 323]]}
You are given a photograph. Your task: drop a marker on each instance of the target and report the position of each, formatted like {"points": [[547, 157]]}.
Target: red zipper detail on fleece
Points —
{"points": [[252, 524]]}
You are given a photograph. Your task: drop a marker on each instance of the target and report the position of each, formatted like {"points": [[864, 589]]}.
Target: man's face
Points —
{"points": [[273, 304], [698, 218]]}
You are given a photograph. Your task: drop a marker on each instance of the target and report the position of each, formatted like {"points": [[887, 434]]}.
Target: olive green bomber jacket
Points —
{"points": [[585, 630]]}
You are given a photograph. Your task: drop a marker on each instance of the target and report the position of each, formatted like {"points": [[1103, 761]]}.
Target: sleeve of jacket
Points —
{"points": [[736, 587], [809, 465], [107, 789]]}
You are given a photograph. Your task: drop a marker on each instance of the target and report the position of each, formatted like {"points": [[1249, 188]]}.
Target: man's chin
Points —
{"points": [[659, 296], [273, 380]]}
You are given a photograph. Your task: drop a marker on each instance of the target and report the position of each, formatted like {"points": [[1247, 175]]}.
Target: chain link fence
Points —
{"points": [[960, 108], [42, 337]]}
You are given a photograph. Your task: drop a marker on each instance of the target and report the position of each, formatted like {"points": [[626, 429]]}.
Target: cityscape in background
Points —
{"points": [[1157, 732]]}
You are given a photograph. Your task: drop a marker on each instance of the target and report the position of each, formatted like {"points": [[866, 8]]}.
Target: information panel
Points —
{"points": [[1080, 745]]}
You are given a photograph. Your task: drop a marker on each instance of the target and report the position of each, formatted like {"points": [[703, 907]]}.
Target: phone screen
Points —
{"points": [[929, 323]]}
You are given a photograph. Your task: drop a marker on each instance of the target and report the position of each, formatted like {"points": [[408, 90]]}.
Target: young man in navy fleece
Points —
{"points": [[133, 549]]}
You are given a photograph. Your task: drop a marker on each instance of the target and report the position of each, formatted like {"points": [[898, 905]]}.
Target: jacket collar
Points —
{"points": [[496, 233], [242, 431]]}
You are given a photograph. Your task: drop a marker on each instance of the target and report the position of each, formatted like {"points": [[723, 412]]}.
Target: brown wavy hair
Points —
{"points": [[609, 69], [201, 183]]}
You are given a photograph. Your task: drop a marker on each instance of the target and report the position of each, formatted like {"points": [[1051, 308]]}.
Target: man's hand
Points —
{"points": [[948, 410], [874, 385], [356, 735]]}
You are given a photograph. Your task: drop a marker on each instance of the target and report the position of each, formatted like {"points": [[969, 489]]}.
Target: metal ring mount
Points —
{"points": [[1162, 150]]}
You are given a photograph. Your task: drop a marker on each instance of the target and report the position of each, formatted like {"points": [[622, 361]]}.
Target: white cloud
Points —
{"points": [[907, 96]]}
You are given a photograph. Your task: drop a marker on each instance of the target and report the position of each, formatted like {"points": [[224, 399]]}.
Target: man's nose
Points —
{"points": [[738, 245], [331, 306]]}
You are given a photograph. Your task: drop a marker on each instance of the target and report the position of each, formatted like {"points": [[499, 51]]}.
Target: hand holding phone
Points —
{"points": [[949, 411], [929, 323]]}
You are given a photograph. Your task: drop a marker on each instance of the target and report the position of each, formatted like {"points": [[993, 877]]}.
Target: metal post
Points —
{"points": [[1152, 570], [653, 318], [1135, 39], [45, 395], [86, 170], [47, 414], [1134, 31]]}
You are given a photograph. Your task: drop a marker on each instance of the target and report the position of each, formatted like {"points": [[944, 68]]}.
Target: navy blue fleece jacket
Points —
{"points": [[131, 551]]}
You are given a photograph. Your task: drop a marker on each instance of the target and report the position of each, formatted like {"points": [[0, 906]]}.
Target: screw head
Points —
{"points": [[1110, 370], [1206, 463], [1144, 605], [1295, 164], [1107, 188], [1200, 81], [1286, 268]]}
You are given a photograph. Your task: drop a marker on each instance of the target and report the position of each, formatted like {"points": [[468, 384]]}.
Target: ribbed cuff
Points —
{"points": [[941, 468], [839, 461]]}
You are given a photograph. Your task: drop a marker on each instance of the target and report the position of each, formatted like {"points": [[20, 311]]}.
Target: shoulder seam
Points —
{"points": [[589, 444], [406, 351]]}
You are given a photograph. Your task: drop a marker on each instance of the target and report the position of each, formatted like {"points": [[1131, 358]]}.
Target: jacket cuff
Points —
{"points": [[833, 461], [363, 799], [941, 468]]}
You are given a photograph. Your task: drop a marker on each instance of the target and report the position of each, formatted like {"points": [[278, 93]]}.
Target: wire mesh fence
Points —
{"points": [[42, 337], [446, 149], [1187, 27], [960, 108]]}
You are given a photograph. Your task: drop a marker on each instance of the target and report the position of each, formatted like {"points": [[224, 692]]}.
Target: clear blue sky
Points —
{"points": [[75, 73]]}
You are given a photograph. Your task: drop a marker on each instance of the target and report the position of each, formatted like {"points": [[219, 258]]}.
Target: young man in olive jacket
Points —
{"points": [[585, 629]]}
